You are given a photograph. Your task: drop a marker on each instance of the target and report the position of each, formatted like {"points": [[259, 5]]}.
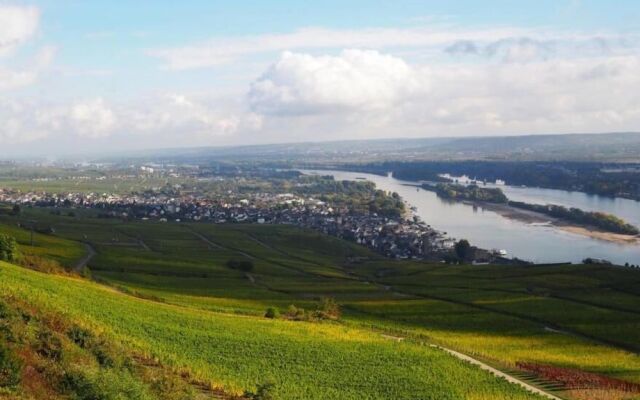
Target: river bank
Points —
{"points": [[532, 217], [528, 241]]}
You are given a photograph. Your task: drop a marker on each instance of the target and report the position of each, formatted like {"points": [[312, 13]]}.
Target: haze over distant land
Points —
{"points": [[606, 147], [86, 77]]}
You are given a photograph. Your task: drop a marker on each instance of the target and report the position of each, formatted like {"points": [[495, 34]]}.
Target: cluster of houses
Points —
{"points": [[403, 237]]}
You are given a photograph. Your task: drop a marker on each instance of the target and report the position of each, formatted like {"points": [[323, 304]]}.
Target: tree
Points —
{"points": [[8, 248], [295, 313], [16, 209], [463, 249], [327, 309], [272, 312]]}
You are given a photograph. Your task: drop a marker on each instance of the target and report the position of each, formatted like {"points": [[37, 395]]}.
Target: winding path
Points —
{"points": [[496, 372], [91, 252]]}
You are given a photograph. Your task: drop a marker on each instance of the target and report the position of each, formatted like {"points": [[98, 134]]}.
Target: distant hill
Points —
{"points": [[607, 147], [613, 147]]}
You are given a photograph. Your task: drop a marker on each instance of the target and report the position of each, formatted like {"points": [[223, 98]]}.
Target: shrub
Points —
{"points": [[463, 249], [295, 313], [5, 312], [86, 340], [263, 392], [272, 312], [41, 264], [86, 272], [49, 346], [10, 368], [102, 355], [80, 336], [105, 385], [8, 248], [451, 258], [327, 309], [6, 317], [78, 384]]}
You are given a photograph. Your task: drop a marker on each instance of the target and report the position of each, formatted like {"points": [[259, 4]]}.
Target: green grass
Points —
{"points": [[500, 313], [304, 360], [496, 313], [64, 251]]}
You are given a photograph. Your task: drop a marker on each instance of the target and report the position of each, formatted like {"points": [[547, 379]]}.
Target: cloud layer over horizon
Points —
{"points": [[325, 84]]}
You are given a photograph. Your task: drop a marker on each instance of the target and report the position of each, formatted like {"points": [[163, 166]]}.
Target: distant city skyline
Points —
{"points": [[112, 75]]}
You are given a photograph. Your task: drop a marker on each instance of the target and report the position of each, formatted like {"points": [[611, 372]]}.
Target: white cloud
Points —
{"points": [[354, 80], [91, 118], [172, 118], [17, 122], [181, 114], [17, 24], [388, 82], [356, 94], [12, 79], [368, 94], [529, 49], [226, 50], [509, 43]]}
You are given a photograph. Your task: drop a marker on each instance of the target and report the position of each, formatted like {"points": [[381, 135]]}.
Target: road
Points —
{"points": [[496, 372], [218, 246], [85, 260]]}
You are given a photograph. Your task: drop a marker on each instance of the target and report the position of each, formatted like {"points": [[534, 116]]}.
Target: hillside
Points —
{"points": [[603, 147], [237, 353], [166, 292]]}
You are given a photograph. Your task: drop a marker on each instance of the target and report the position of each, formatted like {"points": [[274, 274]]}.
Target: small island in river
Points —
{"points": [[589, 223]]}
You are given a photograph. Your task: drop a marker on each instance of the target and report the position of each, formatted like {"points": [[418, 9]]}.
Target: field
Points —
{"points": [[166, 290], [312, 361]]}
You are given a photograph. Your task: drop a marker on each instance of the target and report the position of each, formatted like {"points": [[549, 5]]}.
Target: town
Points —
{"points": [[402, 236]]}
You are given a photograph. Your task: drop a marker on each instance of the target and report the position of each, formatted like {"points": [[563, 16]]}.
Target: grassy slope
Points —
{"points": [[46, 356], [304, 360], [66, 252], [507, 314], [496, 313]]}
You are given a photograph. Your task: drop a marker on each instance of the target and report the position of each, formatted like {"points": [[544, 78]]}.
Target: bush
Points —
{"points": [[10, 368], [41, 264], [8, 248], [242, 265], [451, 258], [78, 384], [102, 355], [80, 336], [86, 340], [263, 392], [105, 385], [272, 312], [49, 346], [463, 249], [295, 313], [86, 272], [327, 309]]}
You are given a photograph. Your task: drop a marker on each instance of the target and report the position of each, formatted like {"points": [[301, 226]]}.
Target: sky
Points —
{"points": [[95, 76]]}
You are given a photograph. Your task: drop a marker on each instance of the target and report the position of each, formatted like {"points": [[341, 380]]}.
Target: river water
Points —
{"points": [[533, 242]]}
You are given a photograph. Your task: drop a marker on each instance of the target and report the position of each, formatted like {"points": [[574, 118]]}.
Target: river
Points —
{"points": [[487, 229]]}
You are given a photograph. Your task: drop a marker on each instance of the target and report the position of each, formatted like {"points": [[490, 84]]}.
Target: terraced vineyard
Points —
{"points": [[167, 292], [235, 353]]}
